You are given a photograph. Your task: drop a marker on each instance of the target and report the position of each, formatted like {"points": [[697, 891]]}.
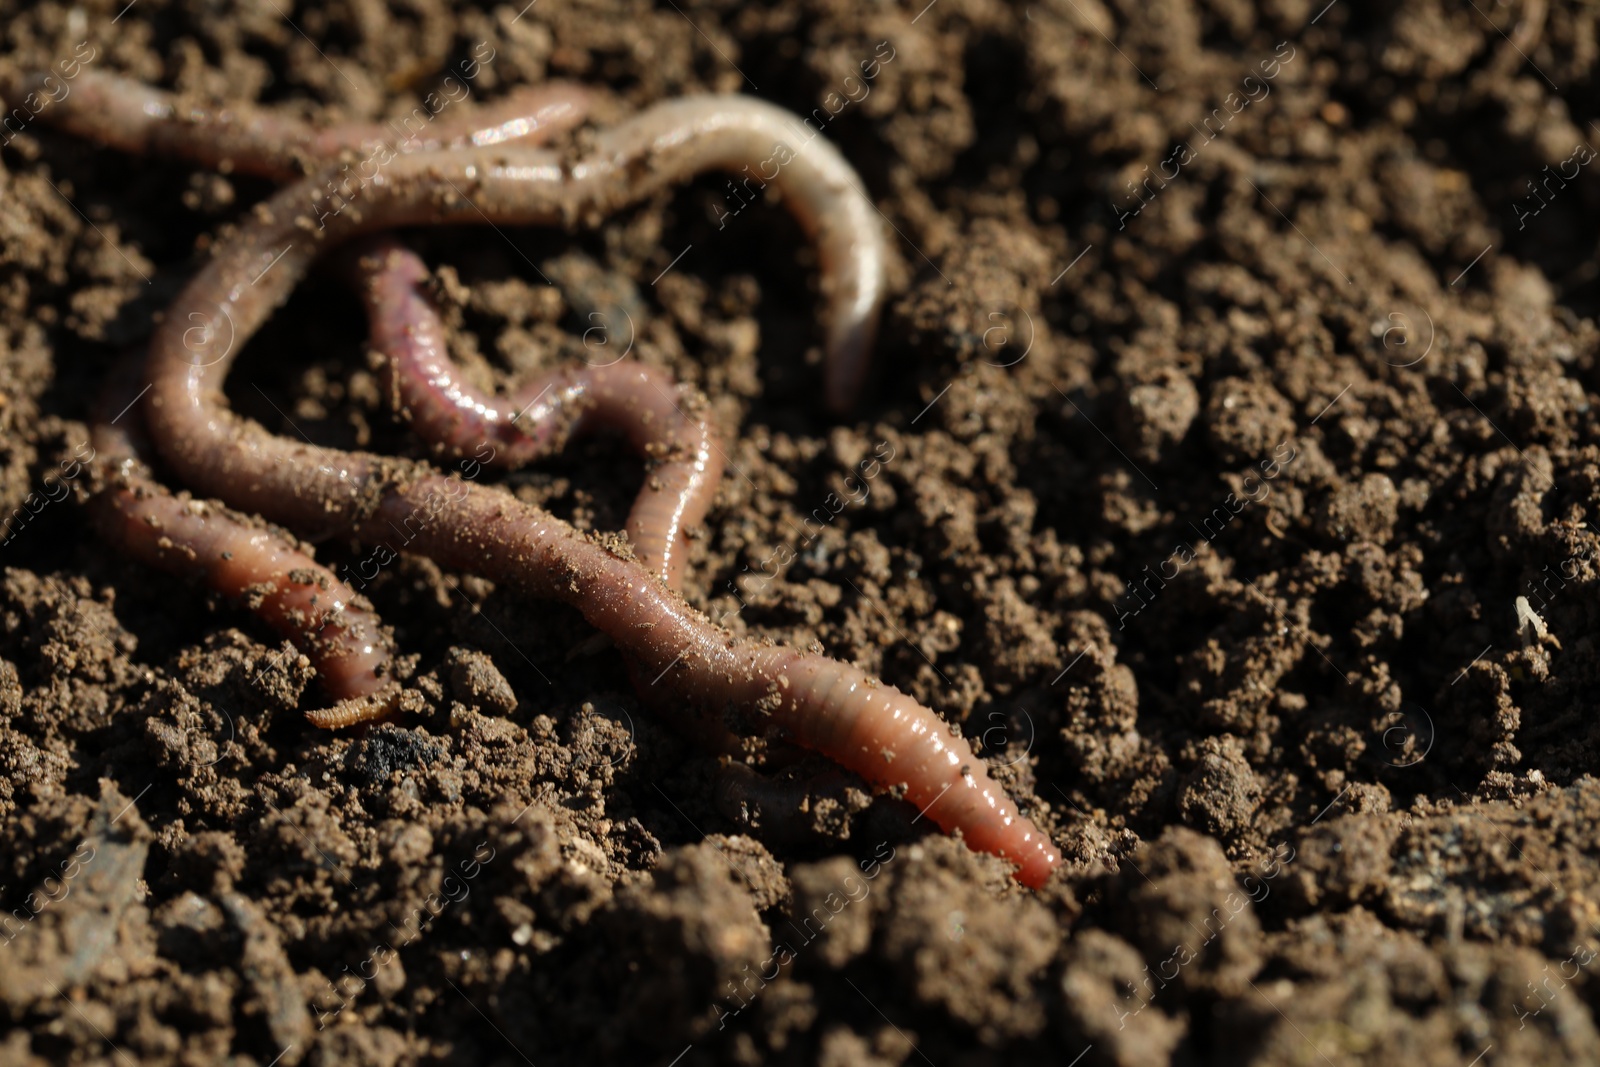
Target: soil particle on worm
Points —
{"points": [[1235, 500]]}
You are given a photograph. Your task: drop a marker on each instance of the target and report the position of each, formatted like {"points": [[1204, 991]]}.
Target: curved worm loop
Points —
{"points": [[836, 709], [666, 143], [239, 559], [296, 596], [665, 423], [873, 729], [508, 185], [680, 138]]}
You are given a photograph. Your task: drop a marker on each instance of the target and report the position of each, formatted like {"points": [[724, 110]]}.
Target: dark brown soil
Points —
{"points": [[1210, 503]]}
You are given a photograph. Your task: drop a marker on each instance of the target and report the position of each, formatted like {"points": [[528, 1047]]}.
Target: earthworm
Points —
{"points": [[538, 419], [681, 656], [444, 409], [737, 133], [284, 586], [815, 702], [429, 389], [239, 558], [665, 143], [122, 113], [831, 707]]}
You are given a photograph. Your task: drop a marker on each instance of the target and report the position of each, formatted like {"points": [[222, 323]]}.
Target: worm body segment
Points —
{"points": [[235, 557], [128, 115], [664, 422]]}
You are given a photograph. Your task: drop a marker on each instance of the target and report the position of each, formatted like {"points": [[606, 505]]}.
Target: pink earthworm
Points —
{"points": [[284, 586], [443, 408], [831, 707], [868, 727], [122, 113], [538, 419], [240, 558], [428, 389], [672, 140]]}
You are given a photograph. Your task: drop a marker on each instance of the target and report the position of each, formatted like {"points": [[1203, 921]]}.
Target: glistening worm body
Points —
{"points": [[427, 387], [672, 141], [125, 114], [652, 411], [241, 559], [870, 728]]}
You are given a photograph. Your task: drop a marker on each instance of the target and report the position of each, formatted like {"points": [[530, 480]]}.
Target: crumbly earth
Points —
{"points": [[1239, 376]]}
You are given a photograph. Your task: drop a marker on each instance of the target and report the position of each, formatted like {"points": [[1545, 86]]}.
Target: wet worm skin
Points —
{"points": [[504, 185], [237, 558], [125, 114], [665, 144], [830, 707], [285, 587], [679, 138], [664, 422], [870, 728], [535, 422]]}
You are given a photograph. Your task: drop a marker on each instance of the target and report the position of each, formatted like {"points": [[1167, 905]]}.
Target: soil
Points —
{"points": [[1239, 376]]}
